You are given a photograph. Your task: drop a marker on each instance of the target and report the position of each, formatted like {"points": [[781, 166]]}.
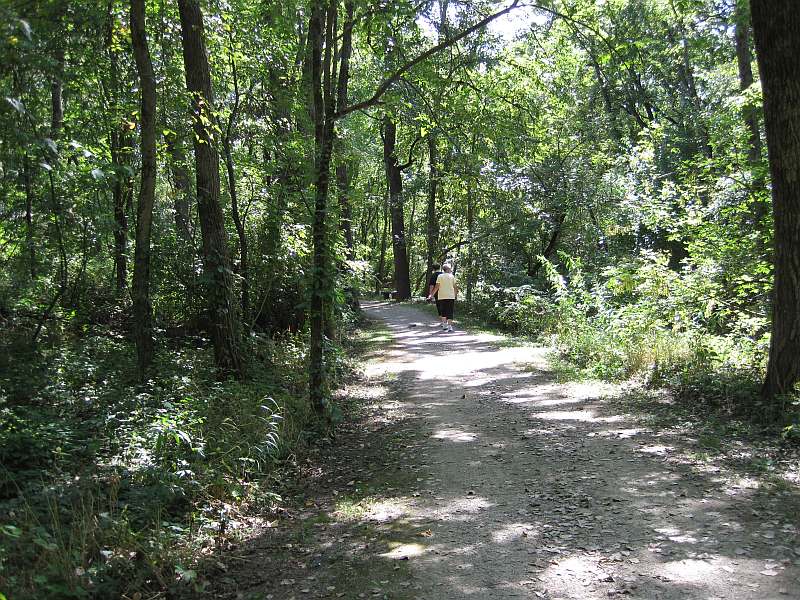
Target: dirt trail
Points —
{"points": [[484, 478], [535, 489]]}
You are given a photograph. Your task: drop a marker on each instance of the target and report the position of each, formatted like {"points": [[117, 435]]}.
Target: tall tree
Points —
{"points": [[776, 28], [142, 311], [321, 32], [230, 167], [216, 261], [394, 177], [343, 171]]}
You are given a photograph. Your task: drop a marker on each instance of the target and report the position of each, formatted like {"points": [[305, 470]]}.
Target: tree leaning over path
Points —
{"points": [[776, 28], [142, 310]]}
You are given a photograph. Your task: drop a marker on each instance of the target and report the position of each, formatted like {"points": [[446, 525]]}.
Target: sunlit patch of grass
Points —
{"points": [[564, 370], [349, 508]]}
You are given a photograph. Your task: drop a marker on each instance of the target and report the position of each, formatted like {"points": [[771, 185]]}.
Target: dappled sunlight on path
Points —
{"points": [[525, 487]]}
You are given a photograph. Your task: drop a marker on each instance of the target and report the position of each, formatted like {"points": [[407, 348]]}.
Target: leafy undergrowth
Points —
{"points": [[312, 543], [111, 489]]}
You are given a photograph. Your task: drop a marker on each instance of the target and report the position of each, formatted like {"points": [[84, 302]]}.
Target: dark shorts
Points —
{"points": [[439, 308], [446, 308]]}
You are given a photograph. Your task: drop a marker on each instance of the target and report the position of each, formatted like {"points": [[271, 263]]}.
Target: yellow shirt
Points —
{"points": [[447, 286]]}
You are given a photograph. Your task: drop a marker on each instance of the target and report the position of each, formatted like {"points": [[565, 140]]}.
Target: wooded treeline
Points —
{"points": [[622, 133], [231, 176]]}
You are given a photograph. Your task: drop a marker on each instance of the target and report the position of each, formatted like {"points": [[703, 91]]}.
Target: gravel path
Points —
{"points": [[523, 487]]}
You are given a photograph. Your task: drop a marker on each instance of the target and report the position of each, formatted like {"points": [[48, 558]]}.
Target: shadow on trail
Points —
{"points": [[494, 481]]}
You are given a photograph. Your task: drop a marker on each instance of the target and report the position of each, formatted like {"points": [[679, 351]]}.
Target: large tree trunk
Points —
{"points": [[216, 262], [776, 28], [142, 311], [394, 176]]}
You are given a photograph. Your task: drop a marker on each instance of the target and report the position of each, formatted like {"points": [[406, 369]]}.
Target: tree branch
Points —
{"points": [[410, 161], [387, 83]]}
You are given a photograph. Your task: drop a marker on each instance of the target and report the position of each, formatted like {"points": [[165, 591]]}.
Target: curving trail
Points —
{"points": [[527, 488]]}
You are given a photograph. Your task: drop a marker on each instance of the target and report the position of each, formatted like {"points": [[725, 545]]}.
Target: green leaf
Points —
{"points": [[11, 531]]}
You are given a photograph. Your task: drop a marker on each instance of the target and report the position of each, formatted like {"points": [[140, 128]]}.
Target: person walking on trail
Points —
{"points": [[447, 291], [432, 284]]}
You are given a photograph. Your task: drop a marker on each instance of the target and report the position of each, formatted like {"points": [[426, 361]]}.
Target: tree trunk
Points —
{"points": [[322, 110], [552, 242], [183, 191], [431, 222], [394, 176], [470, 251], [57, 95], [743, 61], [142, 311], [238, 219], [216, 262], [776, 28], [120, 157], [29, 234], [56, 125], [381, 275], [343, 175]]}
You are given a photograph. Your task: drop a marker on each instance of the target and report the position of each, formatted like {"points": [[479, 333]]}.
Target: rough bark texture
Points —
{"points": [[216, 262], [142, 311], [776, 28], [394, 175]]}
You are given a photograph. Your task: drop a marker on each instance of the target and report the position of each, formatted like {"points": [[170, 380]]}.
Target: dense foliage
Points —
{"points": [[595, 171]]}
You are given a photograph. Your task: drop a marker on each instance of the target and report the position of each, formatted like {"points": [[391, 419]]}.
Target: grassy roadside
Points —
{"points": [[111, 489], [323, 539]]}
